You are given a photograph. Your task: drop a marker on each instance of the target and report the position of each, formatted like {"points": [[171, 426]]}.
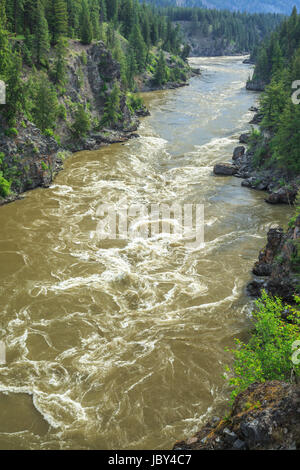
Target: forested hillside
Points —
{"points": [[70, 69], [228, 32], [257, 6], [278, 66]]}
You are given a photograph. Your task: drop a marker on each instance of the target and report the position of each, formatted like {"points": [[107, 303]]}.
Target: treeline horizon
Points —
{"points": [[256, 6]]}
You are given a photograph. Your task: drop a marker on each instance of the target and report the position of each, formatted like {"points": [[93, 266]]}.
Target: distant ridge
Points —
{"points": [[255, 6]]}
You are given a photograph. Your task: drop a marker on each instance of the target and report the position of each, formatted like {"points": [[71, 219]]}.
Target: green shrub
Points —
{"points": [[4, 186], [11, 132], [48, 132], [267, 356], [82, 122], [134, 102]]}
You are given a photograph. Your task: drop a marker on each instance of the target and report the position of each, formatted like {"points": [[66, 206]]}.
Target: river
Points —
{"points": [[120, 345]]}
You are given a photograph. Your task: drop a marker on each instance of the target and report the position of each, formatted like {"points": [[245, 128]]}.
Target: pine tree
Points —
{"points": [[139, 47], [45, 104], [15, 15], [86, 25], [112, 7], [103, 12], [286, 144], [95, 19], [110, 36], [15, 89], [119, 56], [82, 122], [161, 74], [131, 68], [4, 43], [41, 43], [127, 17], [263, 67], [276, 59], [272, 103], [60, 66], [111, 113], [58, 19]]}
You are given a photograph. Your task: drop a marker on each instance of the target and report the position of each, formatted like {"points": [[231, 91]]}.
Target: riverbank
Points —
{"points": [[31, 158], [266, 414]]}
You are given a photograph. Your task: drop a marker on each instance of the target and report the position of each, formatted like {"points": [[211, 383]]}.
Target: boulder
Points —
{"points": [[284, 195], [238, 152], [244, 138], [257, 118], [255, 85], [225, 169]]}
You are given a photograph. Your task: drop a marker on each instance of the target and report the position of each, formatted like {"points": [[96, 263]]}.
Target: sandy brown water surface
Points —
{"points": [[121, 345]]}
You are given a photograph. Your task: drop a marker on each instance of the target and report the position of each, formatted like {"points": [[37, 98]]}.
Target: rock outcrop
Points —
{"points": [[278, 264], [225, 169], [255, 85], [30, 158], [266, 416], [281, 186]]}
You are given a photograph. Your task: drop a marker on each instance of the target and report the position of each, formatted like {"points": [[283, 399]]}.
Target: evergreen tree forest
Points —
{"points": [[256, 6], [244, 29], [35, 35], [278, 67]]}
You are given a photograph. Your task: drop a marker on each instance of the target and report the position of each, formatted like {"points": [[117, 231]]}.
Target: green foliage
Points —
{"points": [[272, 104], [11, 132], [4, 183], [134, 102], [59, 69], [86, 25], [295, 261], [44, 166], [279, 65], [43, 107], [161, 71], [112, 113], [286, 143], [4, 186], [41, 42], [138, 47], [267, 356], [4, 43], [82, 122]]}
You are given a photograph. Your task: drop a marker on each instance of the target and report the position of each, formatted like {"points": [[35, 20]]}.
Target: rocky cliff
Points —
{"points": [[29, 158], [277, 268], [266, 416], [91, 73]]}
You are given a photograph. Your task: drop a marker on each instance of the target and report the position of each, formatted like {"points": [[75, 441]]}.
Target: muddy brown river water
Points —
{"points": [[121, 345]]}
